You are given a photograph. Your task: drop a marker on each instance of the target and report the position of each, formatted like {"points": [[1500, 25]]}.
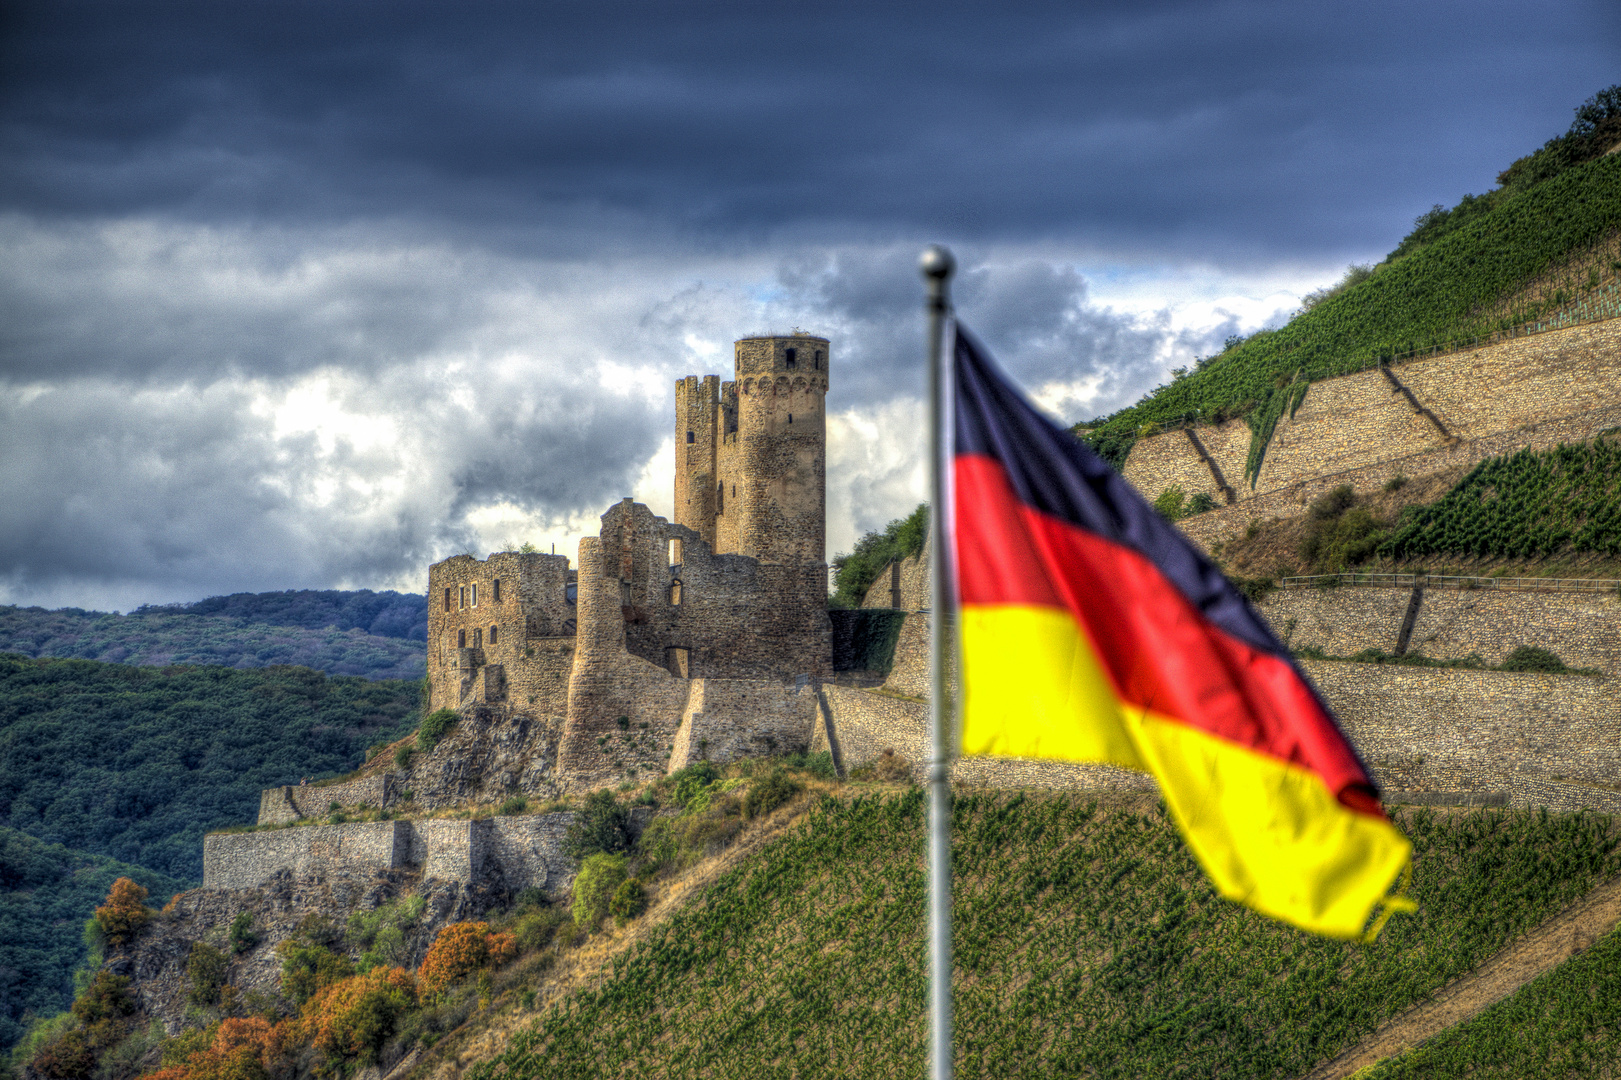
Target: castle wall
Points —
{"points": [[698, 433], [1159, 462], [518, 852], [246, 860], [464, 614], [728, 719], [288, 803], [781, 466], [1583, 629], [903, 584]]}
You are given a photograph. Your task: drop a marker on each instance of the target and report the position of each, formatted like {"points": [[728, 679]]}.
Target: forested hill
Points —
{"points": [[1539, 249], [47, 891], [137, 763], [384, 614], [376, 635]]}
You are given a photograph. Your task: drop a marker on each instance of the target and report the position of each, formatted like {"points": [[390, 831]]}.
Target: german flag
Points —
{"points": [[1092, 630]]}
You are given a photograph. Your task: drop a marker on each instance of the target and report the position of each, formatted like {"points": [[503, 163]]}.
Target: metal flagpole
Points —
{"points": [[937, 265]]}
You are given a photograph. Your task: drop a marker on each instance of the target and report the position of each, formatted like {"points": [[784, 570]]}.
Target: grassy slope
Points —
{"points": [[160, 637], [1564, 1026], [1435, 295], [1087, 944], [47, 891]]}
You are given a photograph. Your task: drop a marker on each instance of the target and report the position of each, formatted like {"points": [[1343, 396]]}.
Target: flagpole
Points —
{"points": [[937, 265]]}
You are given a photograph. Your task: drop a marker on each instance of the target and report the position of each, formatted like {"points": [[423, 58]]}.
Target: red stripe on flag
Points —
{"points": [[1161, 654]]}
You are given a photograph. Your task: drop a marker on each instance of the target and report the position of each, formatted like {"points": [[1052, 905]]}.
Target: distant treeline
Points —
{"points": [[137, 763], [386, 614], [375, 635]]}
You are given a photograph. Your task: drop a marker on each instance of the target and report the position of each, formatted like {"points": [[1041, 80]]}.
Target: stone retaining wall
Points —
{"points": [[1584, 629], [727, 719], [282, 805]]}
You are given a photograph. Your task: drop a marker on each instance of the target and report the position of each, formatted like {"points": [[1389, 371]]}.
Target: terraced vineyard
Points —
{"points": [[1088, 944], [1523, 506], [1444, 292]]}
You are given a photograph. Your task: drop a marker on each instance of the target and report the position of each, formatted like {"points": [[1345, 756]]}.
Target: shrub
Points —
{"points": [[770, 792], [536, 927], [819, 764], [1200, 503], [1396, 483], [205, 969], [460, 950], [856, 570], [124, 913], [1169, 503], [243, 937], [68, 1057], [602, 825], [628, 901], [888, 767], [692, 781], [434, 726], [599, 876], [515, 805], [348, 1022], [1339, 533], [380, 933], [402, 756], [1532, 658], [308, 968]]}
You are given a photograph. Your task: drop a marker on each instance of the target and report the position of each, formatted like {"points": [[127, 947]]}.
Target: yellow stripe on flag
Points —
{"points": [[1268, 833]]}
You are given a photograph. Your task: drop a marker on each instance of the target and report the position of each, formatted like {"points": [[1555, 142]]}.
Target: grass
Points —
{"points": [[1565, 1024], [1088, 943]]}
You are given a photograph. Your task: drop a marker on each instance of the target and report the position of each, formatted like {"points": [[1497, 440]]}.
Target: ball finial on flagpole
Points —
{"points": [[937, 261]]}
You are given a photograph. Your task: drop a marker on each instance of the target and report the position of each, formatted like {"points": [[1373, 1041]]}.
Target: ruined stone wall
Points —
{"points": [[512, 853], [1583, 629], [698, 434], [246, 860], [280, 805], [491, 612], [909, 673], [903, 584], [728, 719]]}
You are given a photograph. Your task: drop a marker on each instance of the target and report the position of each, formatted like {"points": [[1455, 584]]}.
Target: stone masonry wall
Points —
{"points": [[1427, 730], [1344, 423], [1584, 629], [516, 852], [280, 805], [728, 719]]}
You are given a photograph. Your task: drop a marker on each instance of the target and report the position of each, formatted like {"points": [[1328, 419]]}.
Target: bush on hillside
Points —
{"points": [[594, 887], [308, 967], [628, 901], [770, 792], [1533, 658], [1339, 533], [349, 1021], [462, 949], [1169, 503], [205, 971], [434, 726], [601, 825], [124, 913]]}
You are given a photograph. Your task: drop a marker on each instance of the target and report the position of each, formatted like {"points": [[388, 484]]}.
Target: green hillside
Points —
{"points": [[47, 891], [137, 763], [162, 636], [1087, 944], [1445, 284]]}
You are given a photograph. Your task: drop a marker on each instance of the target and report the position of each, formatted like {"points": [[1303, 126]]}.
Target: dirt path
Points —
{"points": [[1542, 950]]}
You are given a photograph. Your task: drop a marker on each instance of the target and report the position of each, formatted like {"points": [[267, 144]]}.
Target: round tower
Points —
{"points": [[777, 482]]}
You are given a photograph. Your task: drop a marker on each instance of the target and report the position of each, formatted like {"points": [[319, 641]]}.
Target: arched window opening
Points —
{"points": [[495, 593], [475, 596], [461, 597], [461, 639], [792, 356], [447, 599], [675, 593], [692, 437], [494, 633], [571, 593], [818, 364], [720, 498], [790, 418], [478, 638]]}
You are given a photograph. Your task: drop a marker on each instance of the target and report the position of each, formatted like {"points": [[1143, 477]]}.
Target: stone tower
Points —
{"points": [[751, 453]]}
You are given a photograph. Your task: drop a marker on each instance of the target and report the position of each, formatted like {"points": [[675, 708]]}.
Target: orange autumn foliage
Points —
{"points": [[124, 913], [350, 1020], [459, 951], [242, 1050]]}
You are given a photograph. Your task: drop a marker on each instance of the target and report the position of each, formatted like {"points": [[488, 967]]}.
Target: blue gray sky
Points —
{"points": [[300, 295]]}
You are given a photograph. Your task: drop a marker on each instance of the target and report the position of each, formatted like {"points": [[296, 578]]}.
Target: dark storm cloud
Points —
{"points": [[1221, 128]]}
